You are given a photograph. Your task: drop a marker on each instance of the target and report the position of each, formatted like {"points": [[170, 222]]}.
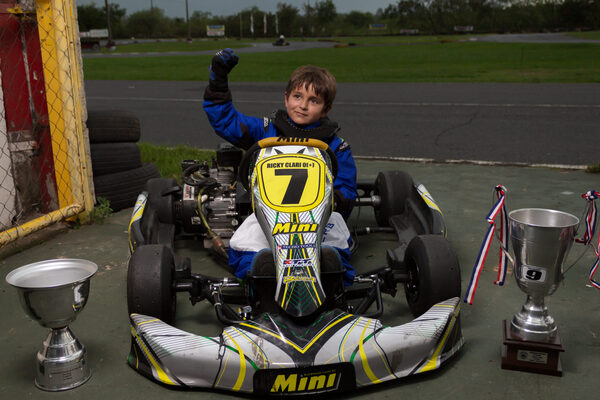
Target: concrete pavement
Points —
{"points": [[464, 192]]}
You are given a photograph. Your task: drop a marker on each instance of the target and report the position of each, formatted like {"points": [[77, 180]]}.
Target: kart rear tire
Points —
{"points": [[150, 278], [434, 273], [393, 188], [163, 205]]}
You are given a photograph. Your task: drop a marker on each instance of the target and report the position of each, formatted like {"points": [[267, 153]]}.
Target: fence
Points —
{"points": [[45, 170]]}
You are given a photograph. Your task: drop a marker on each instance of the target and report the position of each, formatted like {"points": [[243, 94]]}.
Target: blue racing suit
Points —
{"points": [[243, 131]]}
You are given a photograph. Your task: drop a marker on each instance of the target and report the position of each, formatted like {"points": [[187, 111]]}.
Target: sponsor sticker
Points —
{"points": [[295, 246], [298, 263], [290, 227], [317, 379], [188, 192]]}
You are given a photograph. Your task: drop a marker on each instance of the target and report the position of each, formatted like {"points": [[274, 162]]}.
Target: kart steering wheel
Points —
{"points": [[246, 162]]}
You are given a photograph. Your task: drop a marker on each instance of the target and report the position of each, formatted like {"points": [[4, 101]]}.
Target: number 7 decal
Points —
{"points": [[295, 188]]}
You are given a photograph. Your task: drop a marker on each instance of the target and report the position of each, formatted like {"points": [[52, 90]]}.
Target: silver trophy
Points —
{"points": [[52, 293], [541, 241]]}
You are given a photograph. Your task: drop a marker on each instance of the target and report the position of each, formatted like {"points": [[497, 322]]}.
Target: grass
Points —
{"points": [[594, 168], [402, 39], [168, 159], [593, 35], [178, 45], [427, 62]]}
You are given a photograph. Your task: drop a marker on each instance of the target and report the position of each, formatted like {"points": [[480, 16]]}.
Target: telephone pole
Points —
{"points": [[109, 44], [187, 18]]}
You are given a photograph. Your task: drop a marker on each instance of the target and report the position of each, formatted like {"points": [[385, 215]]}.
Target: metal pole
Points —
{"points": [[108, 23], [187, 18]]}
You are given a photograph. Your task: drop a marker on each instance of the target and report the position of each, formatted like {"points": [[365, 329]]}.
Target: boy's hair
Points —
{"points": [[322, 81]]}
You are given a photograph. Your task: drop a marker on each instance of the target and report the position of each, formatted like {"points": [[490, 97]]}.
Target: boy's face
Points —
{"points": [[303, 105]]}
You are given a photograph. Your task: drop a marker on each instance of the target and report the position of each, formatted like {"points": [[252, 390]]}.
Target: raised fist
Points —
{"points": [[221, 65]]}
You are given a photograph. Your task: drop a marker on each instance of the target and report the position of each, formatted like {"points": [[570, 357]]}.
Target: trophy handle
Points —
{"points": [[586, 247]]}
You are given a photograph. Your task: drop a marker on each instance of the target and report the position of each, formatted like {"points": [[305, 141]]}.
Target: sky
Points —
{"points": [[176, 8]]}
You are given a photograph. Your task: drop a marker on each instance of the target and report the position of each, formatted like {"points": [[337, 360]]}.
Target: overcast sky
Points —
{"points": [[176, 8]]}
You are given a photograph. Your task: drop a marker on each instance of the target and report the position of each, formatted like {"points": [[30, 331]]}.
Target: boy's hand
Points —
{"points": [[221, 65]]}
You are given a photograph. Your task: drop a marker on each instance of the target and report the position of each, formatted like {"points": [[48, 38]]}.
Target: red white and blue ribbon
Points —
{"points": [[591, 219], [499, 208]]}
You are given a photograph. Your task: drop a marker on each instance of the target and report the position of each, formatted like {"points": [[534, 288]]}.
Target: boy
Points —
{"points": [[308, 98]]}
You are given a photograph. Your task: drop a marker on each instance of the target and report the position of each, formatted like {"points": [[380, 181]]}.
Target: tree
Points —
{"points": [[287, 18], [358, 19], [94, 17], [198, 21], [149, 23], [326, 12]]}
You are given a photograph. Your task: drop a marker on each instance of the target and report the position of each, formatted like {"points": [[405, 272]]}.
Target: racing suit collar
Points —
{"points": [[309, 126], [324, 129]]}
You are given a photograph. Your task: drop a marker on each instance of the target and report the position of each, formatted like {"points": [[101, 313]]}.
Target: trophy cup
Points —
{"points": [[53, 292], [541, 240]]}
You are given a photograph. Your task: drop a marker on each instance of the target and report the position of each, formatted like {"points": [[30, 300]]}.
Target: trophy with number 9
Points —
{"points": [[541, 241]]}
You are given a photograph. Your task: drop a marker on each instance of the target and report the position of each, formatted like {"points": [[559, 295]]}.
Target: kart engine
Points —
{"points": [[212, 204]]}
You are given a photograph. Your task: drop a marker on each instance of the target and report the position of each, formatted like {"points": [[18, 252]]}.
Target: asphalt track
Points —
{"points": [[557, 124], [531, 124]]}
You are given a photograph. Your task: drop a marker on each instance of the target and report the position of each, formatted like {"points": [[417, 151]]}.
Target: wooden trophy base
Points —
{"points": [[529, 356]]}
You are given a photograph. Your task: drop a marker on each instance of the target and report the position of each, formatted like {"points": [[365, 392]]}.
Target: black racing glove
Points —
{"points": [[221, 65]]}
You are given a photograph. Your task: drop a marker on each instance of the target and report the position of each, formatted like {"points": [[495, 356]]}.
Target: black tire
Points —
{"points": [[109, 126], [162, 204], [434, 273], [121, 189], [150, 278], [394, 188], [110, 158]]}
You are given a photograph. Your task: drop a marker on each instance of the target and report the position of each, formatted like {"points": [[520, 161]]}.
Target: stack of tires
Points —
{"points": [[119, 174]]}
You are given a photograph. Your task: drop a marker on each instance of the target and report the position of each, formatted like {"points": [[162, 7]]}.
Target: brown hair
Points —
{"points": [[322, 81]]}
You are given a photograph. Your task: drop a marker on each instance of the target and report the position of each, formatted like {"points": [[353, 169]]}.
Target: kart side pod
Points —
{"points": [[340, 352]]}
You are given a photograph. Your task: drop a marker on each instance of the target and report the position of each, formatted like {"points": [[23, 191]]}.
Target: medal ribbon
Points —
{"points": [[498, 209], [591, 220]]}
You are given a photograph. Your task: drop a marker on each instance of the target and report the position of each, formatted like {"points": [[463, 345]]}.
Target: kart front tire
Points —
{"points": [[393, 188], [434, 273], [150, 277]]}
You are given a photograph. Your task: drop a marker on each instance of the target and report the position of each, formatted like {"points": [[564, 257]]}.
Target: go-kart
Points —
{"points": [[281, 42], [298, 329]]}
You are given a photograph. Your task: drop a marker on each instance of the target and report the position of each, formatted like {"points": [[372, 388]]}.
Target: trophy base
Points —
{"points": [[530, 356], [62, 363]]}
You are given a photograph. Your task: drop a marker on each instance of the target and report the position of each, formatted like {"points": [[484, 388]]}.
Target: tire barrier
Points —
{"points": [[119, 174]]}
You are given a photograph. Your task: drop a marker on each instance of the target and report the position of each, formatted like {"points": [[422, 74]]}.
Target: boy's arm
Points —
{"points": [[227, 122], [344, 185]]}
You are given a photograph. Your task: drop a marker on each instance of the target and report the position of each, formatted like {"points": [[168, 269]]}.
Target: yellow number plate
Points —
{"points": [[291, 182]]}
